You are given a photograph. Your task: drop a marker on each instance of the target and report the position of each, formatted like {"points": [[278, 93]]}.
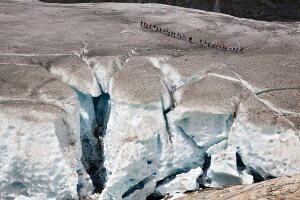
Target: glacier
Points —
{"points": [[91, 110]]}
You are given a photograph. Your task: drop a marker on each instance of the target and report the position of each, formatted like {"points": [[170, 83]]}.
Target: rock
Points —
{"points": [[279, 188]]}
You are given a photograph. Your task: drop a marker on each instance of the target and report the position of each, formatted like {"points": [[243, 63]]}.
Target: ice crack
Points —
{"points": [[276, 89]]}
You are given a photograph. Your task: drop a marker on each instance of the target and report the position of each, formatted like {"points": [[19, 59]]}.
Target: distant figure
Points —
{"points": [[204, 41], [213, 45], [241, 50], [208, 44], [150, 26], [200, 41], [190, 39], [142, 23]]}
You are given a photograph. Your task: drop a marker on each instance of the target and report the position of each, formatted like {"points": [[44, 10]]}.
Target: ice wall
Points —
{"points": [[36, 159]]}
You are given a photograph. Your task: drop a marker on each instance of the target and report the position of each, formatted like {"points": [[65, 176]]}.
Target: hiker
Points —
{"points": [[150, 26], [200, 41], [142, 23], [190, 39], [241, 49]]}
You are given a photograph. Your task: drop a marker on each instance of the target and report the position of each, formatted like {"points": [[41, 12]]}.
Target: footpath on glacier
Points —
{"points": [[93, 106]]}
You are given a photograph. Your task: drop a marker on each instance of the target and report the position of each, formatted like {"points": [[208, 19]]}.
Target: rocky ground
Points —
{"points": [[90, 101], [280, 188]]}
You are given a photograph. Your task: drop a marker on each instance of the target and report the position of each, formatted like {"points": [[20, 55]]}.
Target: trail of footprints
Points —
{"points": [[181, 36]]}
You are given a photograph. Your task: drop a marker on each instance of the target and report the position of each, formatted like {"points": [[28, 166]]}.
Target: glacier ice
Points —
{"points": [[73, 71], [132, 151], [36, 158], [141, 160], [181, 183], [138, 151], [273, 154], [205, 129], [223, 168], [156, 139], [105, 66]]}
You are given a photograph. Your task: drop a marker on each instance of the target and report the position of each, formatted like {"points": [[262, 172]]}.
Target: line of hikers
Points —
{"points": [[190, 39]]}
